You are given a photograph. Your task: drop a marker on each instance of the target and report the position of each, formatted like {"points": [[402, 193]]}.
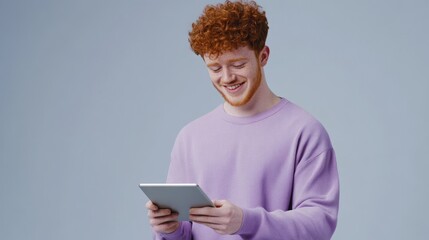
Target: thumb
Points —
{"points": [[219, 203]]}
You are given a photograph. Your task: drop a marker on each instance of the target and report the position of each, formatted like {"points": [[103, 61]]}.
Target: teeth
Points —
{"points": [[233, 86]]}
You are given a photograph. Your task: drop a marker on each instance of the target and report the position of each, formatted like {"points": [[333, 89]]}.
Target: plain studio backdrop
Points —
{"points": [[93, 94]]}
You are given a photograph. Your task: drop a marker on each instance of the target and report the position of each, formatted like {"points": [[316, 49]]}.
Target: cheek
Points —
{"points": [[214, 78], [245, 73]]}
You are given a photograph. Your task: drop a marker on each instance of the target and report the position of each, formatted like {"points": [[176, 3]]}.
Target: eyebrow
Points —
{"points": [[229, 61]]}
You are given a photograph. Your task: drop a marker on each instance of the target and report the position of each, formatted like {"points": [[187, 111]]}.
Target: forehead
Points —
{"points": [[237, 54]]}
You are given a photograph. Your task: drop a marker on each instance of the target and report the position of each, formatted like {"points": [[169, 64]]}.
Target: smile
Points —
{"points": [[234, 87]]}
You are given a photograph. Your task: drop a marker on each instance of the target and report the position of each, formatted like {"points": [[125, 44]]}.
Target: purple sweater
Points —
{"points": [[278, 166]]}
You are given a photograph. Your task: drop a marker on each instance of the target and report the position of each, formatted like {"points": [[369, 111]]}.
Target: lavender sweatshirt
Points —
{"points": [[278, 166]]}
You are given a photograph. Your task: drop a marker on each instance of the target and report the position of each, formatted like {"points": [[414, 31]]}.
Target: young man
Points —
{"points": [[269, 164]]}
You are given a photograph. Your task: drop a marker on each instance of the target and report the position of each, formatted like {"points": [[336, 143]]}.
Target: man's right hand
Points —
{"points": [[162, 220]]}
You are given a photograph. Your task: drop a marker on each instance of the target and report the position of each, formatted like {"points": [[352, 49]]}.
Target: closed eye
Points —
{"points": [[215, 69], [239, 65]]}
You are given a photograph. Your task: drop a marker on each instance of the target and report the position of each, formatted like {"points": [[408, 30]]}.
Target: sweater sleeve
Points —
{"points": [[314, 210], [182, 233]]}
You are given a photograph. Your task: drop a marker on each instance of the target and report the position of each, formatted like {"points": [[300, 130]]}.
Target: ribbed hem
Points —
{"points": [[251, 222]]}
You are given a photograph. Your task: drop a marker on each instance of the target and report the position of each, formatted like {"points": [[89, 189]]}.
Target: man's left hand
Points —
{"points": [[225, 218]]}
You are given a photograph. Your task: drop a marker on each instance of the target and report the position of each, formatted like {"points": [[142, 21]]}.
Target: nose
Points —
{"points": [[228, 76]]}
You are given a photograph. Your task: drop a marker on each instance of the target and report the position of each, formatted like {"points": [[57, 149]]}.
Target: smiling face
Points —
{"points": [[236, 75]]}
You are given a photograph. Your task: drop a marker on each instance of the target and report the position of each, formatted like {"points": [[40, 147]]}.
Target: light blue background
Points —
{"points": [[93, 93]]}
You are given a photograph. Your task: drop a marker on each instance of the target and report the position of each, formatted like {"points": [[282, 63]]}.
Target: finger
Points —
{"points": [[167, 227], [164, 219], [151, 206], [219, 203], [206, 211], [206, 219], [159, 213], [220, 228]]}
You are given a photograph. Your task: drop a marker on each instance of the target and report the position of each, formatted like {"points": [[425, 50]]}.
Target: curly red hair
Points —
{"points": [[228, 26]]}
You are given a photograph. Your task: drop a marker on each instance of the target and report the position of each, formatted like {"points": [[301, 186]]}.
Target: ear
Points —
{"points": [[264, 55]]}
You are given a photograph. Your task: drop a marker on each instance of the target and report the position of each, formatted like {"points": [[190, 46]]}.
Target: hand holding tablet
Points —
{"points": [[177, 197]]}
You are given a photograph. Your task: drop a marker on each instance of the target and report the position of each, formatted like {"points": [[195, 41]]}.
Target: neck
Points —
{"points": [[263, 100]]}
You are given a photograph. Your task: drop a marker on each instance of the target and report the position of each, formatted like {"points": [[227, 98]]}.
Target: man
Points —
{"points": [[269, 164]]}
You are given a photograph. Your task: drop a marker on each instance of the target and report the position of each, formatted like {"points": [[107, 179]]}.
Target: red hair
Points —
{"points": [[228, 26]]}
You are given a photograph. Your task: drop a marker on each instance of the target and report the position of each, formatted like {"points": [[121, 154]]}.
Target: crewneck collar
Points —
{"points": [[254, 118]]}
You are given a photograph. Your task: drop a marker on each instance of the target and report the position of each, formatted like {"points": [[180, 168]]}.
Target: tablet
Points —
{"points": [[179, 197]]}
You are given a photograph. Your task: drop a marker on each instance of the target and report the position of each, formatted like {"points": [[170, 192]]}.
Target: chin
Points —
{"points": [[237, 102]]}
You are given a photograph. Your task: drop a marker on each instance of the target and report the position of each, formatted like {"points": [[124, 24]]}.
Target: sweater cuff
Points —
{"points": [[178, 233], [250, 222]]}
